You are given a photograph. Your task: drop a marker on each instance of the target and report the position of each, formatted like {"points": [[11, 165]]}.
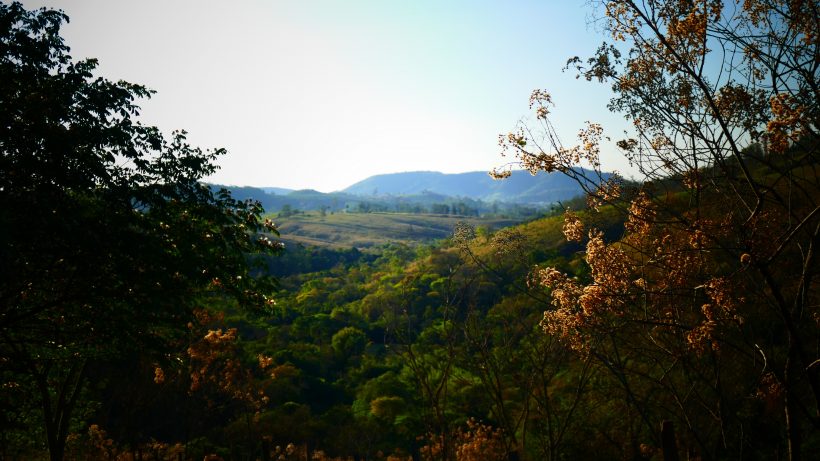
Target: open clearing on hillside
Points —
{"points": [[366, 230]]}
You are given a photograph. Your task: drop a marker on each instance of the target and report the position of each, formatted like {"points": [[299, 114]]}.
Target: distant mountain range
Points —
{"points": [[420, 190], [521, 187]]}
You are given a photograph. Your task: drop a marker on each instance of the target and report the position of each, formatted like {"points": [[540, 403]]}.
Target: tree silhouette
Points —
{"points": [[108, 240]]}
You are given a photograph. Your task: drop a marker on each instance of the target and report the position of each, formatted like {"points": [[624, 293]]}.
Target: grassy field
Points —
{"points": [[365, 230]]}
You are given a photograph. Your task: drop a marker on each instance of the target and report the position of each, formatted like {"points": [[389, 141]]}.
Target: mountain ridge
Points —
{"points": [[413, 191], [521, 187]]}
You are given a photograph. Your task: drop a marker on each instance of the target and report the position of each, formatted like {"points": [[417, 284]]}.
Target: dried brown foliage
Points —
{"points": [[476, 442], [708, 299]]}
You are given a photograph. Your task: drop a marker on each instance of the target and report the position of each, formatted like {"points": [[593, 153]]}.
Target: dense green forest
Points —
{"points": [[146, 315]]}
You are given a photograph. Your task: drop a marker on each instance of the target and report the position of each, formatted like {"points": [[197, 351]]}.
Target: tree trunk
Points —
{"points": [[792, 428], [57, 414], [668, 442]]}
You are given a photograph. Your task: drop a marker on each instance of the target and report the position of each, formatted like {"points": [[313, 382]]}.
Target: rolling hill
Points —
{"points": [[363, 231]]}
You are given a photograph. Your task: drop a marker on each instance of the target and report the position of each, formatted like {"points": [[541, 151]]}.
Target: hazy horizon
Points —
{"points": [[341, 189], [323, 94]]}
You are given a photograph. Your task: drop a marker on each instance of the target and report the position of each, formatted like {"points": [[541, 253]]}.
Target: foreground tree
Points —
{"points": [[108, 239], [705, 312]]}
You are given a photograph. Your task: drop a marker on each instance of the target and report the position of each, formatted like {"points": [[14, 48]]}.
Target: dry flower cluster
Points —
{"points": [[478, 442], [213, 361]]}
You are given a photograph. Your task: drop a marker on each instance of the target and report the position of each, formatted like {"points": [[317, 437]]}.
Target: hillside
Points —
{"points": [[367, 328], [360, 230]]}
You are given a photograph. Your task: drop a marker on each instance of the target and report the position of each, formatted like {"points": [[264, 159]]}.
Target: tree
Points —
{"points": [[108, 240], [348, 343], [706, 310], [287, 211]]}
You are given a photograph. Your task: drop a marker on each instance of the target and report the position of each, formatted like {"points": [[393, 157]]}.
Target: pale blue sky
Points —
{"points": [[323, 93]]}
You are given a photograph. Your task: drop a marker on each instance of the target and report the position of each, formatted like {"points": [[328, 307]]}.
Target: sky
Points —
{"points": [[321, 94]]}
